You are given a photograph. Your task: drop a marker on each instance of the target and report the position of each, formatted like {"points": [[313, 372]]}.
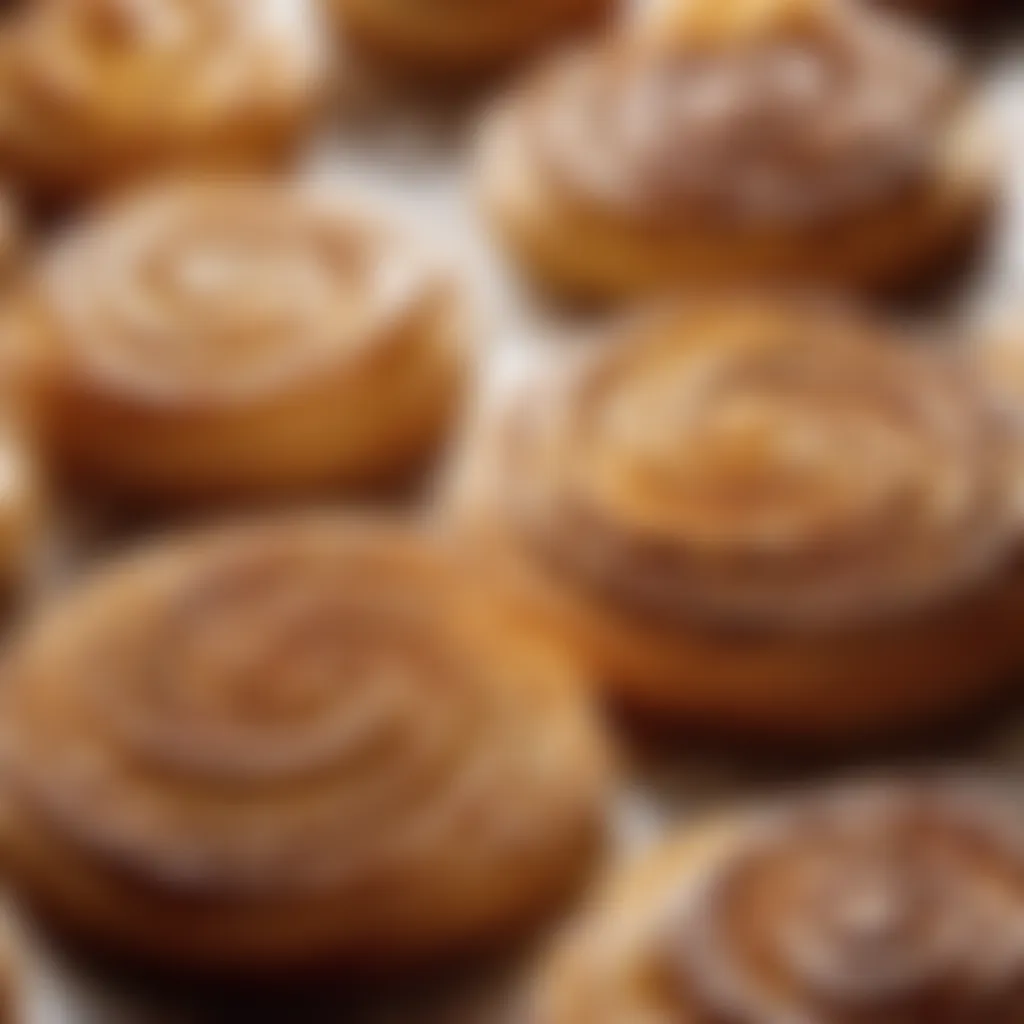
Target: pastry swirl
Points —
{"points": [[753, 493], [296, 743], [97, 91], [455, 38], [874, 904], [239, 337], [794, 140]]}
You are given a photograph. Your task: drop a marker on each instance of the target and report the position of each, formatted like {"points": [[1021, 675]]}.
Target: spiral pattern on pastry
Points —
{"points": [[762, 464], [331, 732], [96, 91], [242, 331], [723, 142], [775, 517], [875, 904], [802, 127]]}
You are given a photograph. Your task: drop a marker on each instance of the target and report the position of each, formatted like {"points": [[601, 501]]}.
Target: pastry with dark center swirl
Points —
{"points": [[870, 906], [239, 338], [452, 39], [93, 92], [777, 516], [295, 744], [766, 141]]}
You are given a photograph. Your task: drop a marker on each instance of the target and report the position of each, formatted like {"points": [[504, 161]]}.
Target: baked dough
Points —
{"points": [[779, 517], [230, 338], [95, 92], [291, 745], [867, 906], [762, 141]]}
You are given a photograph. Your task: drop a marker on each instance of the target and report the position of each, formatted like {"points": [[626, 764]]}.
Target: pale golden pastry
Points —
{"points": [[766, 140], [243, 339], [766, 516], [446, 39], [309, 743], [94, 92], [871, 905]]}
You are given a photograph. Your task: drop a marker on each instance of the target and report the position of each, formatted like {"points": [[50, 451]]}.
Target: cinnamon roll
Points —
{"points": [[455, 38], [292, 745], [93, 92], [869, 906], [766, 140], [770, 516], [238, 338]]}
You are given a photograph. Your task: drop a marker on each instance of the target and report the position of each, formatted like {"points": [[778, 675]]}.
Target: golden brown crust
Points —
{"points": [[296, 744], [771, 516], [446, 39], [235, 338], [869, 905], [817, 142], [99, 91]]}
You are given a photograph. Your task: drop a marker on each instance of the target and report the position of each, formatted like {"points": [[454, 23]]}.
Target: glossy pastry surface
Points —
{"points": [[792, 140], [869, 906], [295, 744], [776, 515], [96, 92], [231, 337]]}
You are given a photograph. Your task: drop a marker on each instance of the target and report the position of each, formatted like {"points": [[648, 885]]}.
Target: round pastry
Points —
{"points": [[295, 745], [93, 92], [225, 338], [768, 516], [869, 906], [765, 140], [454, 38]]}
